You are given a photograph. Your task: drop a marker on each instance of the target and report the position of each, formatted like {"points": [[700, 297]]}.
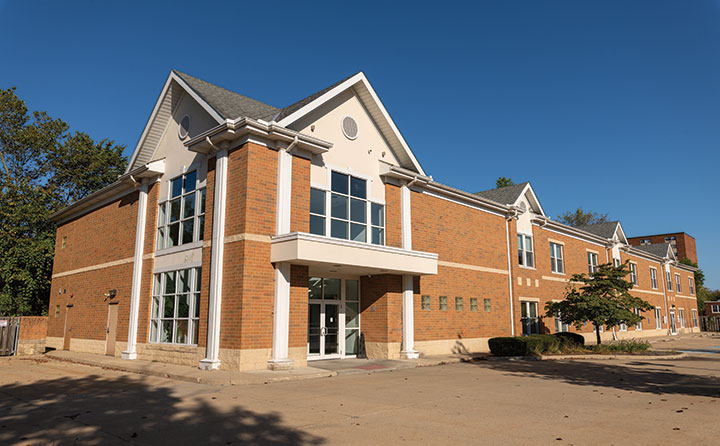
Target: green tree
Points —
{"points": [[602, 298], [503, 182], [579, 217], [699, 274], [42, 169]]}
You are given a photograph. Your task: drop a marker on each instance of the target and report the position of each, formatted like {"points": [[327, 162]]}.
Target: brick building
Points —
{"points": [[245, 236], [683, 244]]}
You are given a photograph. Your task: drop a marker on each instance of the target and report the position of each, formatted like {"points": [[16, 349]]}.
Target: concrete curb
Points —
{"points": [[588, 357]]}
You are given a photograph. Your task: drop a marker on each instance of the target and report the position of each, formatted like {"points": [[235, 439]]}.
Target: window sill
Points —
{"points": [[167, 347], [179, 248], [528, 267], [558, 274]]}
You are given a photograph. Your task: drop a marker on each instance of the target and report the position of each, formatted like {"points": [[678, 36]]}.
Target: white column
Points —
{"points": [[211, 360], [281, 319], [405, 222], [408, 323], [131, 351], [281, 314]]}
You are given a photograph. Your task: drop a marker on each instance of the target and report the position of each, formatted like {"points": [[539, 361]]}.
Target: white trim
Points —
{"points": [[94, 267], [406, 219], [452, 200], [212, 360], [510, 283], [471, 267], [284, 192], [177, 267], [131, 352], [281, 319], [408, 325], [544, 228], [529, 299], [350, 243]]}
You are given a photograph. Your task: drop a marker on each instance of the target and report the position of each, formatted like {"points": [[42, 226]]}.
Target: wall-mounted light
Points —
{"points": [[111, 294]]}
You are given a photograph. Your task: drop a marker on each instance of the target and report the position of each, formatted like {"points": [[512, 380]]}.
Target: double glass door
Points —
{"points": [[333, 317], [529, 318]]}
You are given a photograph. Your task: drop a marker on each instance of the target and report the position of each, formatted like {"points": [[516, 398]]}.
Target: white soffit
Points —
{"points": [[532, 198], [377, 110]]}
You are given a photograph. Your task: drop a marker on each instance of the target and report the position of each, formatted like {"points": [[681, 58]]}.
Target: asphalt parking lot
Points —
{"points": [[45, 402]]}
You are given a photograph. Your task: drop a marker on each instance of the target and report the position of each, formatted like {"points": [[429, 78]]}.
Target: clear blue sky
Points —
{"points": [[609, 105]]}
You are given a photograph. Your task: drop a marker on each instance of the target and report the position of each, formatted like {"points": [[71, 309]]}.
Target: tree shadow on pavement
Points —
{"points": [[656, 378], [97, 410]]}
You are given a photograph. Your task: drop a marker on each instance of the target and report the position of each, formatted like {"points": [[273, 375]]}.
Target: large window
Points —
{"points": [[556, 258], [653, 277], [529, 318], [592, 262], [658, 319], [560, 326], [677, 282], [349, 209], [176, 307], [715, 308], [638, 325], [682, 317], [691, 285], [633, 274], [525, 251], [669, 280], [694, 318], [181, 219]]}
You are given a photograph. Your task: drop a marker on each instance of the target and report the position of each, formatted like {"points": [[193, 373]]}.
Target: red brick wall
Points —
{"points": [[393, 216], [381, 308], [33, 327], [300, 200]]}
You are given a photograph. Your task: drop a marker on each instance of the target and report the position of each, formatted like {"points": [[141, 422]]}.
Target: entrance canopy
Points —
{"points": [[335, 256]]}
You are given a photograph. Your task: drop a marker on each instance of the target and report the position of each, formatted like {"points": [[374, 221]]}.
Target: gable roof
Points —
{"points": [[605, 230], [504, 195], [228, 104], [659, 249], [292, 108]]}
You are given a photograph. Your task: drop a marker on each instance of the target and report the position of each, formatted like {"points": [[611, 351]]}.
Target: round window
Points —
{"points": [[350, 127], [184, 127]]}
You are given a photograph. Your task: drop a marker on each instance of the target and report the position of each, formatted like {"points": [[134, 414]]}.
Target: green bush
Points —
{"points": [[624, 346], [571, 339], [524, 345]]}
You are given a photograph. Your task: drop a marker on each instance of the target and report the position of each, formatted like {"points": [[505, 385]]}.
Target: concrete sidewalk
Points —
{"points": [[316, 369]]}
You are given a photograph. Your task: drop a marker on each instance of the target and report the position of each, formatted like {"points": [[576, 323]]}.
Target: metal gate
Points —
{"points": [[710, 323], [9, 329]]}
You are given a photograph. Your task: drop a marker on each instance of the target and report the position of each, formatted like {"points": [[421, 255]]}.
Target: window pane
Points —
{"points": [[317, 201], [351, 290], [196, 326], [315, 288], [357, 210], [170, 282], [332, 289], [317, 225], [486, 304], [528, 243], [357, 187], [351, 314], [189, 206], [181, 332], [188, 227], [161, 238], [176, 187], [339, 229], [183, 307], [173, 235], [166, 333], [339, 206], [161, 214], [339, 183], [175, 210], [202, 201], [155, 307], [201, 227], [153, 331], [196, 313], [190, 178], [529, 257], [168, 306], [377, 214], [358, 232], [351, 341], [156, 288], [377, 236], [183, 281]]}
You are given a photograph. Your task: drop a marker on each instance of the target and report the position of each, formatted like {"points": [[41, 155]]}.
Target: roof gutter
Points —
{"points": [[232, 130]]}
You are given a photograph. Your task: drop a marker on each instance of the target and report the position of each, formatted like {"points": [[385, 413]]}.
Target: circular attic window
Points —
{"points": [[350, 127], [184, 128]]}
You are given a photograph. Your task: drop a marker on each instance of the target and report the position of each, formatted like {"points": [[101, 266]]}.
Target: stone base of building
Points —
{"points": [[30, 347]]}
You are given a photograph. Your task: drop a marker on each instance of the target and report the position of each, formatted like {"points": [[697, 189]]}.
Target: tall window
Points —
{"points": [[181, 219], [658, 319], [560, 326], [633, 274], [176, 307], [691, 285], [349, 209], [694, 318], [677, 282], [616, 262], [638, 325], [529, 318], [592, 262], [525, 251], [556, 258], [653, 277], [682, 317]]}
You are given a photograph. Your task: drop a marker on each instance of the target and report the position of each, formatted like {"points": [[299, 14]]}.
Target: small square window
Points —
{"points": [[486, 304], [64, 242], [57, 310], [425, 303], [443, 303], [473, 304], [458, 304]]}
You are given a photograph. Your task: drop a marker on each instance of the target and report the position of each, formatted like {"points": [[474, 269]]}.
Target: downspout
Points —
{"points": [[663, 275], [509, 265]]}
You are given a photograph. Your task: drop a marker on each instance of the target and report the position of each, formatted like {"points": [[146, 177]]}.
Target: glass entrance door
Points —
{"points": [[333, 319], [529, 318]]}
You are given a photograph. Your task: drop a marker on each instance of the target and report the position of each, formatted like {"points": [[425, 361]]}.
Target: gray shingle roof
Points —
{"points": [[606, 230], [503, 195], [231, 105], [228, 104], [658, 249]]}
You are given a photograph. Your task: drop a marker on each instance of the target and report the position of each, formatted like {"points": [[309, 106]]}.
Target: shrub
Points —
{"points": [[507, 346], [624, 346], [571, 339], [524, 345]]}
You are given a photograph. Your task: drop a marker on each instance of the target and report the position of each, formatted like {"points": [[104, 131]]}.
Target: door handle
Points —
{"points": [[323, 331]]}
